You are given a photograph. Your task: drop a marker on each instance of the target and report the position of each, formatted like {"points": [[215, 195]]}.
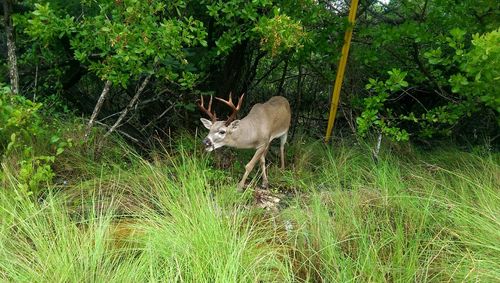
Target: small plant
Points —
{"points": [[21, 128], [375, 114], [34, 172], [19, 120]]}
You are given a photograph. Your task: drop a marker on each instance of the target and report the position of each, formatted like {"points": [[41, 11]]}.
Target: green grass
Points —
{"points": [[176, 217]]}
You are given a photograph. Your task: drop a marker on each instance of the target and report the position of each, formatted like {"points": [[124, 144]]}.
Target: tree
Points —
{"points": [[11, 45], [180, 46]]}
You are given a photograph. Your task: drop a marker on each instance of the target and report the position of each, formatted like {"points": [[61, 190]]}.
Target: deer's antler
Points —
{"points": [[208, 111], [235, 109]]}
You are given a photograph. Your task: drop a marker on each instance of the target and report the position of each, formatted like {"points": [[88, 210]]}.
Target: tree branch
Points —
{"points": [[271, 69], [120, 132], [129, 106], [98, 106]]}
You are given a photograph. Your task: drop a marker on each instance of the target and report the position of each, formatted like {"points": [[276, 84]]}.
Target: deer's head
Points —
{"points": [[220, 131]]}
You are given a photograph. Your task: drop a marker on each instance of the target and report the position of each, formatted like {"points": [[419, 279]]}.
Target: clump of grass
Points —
{"points": [[41, 242], [398, 221], [193, 233], [201, 242]]}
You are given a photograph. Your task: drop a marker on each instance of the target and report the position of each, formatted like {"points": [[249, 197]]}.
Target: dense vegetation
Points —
{"points": [[103, 177], [418, 69]]}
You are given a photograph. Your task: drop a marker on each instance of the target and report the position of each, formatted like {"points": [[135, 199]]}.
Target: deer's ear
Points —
{"points": [[234, 125], [207, 123]]}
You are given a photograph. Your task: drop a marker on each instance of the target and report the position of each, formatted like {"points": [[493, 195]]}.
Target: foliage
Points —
{"points": [[22, 126], [41, 37], [228, 17], [447, 50], [19, 120], [280, 34], [139, 39], [44, 25], [449, 59], [126, 39], [481, 73], [372, 117]]}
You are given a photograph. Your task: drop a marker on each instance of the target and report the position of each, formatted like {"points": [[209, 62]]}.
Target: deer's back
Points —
{"points": [[274, 115]]}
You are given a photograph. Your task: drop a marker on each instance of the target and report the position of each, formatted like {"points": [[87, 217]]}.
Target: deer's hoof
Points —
{"points": [[264, 185], [240, 188]]}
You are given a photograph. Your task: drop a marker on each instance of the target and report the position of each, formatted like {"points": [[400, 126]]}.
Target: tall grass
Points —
{"points": [[175, 217], [398, 221]]}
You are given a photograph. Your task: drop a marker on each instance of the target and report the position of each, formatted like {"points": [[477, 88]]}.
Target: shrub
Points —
{"points": [[21, 128]]}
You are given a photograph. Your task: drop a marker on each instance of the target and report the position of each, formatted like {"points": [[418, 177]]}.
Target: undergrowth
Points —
{"points": [[111, 215]]}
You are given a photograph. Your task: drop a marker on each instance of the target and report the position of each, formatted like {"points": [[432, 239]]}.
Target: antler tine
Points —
{"points": [[240, 100], [208, 111], [231, 105]]}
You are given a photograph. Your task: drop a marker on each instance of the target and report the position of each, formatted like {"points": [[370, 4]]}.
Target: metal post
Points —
{"points": [[340, 71]]}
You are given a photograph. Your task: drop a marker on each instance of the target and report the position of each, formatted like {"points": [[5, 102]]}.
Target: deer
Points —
{"points": [[264, 123]]}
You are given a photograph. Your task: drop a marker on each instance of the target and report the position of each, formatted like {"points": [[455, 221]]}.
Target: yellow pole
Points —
{"points": [[340, 71]]}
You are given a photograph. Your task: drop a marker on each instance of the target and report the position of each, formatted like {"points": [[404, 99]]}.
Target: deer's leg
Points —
{"points": [[250, 165], [265, 182], [282, 149]]}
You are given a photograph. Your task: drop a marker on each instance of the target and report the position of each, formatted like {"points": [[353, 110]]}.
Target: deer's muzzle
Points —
{"points": [[207, 143]]}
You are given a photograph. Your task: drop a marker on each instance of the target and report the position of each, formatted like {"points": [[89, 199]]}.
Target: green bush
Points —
{"points": [[19, 120], [21, 128], [469, 69]]}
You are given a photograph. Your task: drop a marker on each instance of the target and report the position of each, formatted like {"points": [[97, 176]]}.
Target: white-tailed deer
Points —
{"points": [[265, 122]]}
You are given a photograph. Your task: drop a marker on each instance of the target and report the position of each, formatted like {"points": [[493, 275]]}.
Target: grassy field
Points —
{"points": [[335, 215]]}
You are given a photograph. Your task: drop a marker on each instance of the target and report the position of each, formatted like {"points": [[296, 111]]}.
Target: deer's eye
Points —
{"points": [[222, 132]]}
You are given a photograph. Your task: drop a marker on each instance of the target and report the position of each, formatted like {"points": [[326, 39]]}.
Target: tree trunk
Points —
{"points": [[129, 106], [282, 80], [297, 103], [230, 75], [376, 151], [11, 46], [98, 106]]}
